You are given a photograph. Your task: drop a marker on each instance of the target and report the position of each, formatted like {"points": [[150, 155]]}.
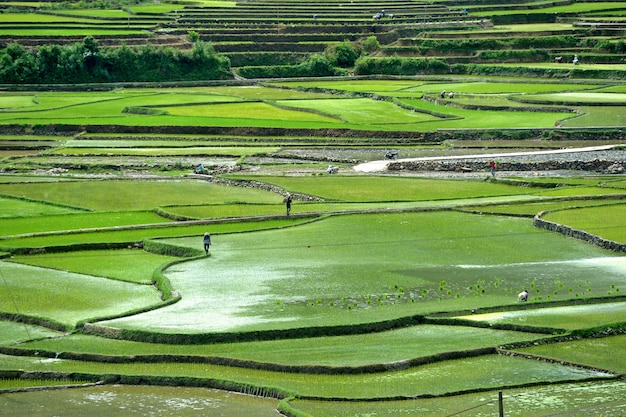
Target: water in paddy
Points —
{"points": [[128, 401]]}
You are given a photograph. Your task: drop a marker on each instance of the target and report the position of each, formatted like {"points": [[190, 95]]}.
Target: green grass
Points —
{"points": [[483, 119], [12, 207], [602, 398], [392, 346], [401, 87], [592, 352], [94, 31], [165, 7], [570, 317], [71, 222], [29, 383], [598, 115], [607, 222], [531, 209], [486, 371], [252, 92], [99, 13], [132, 235], [579, 191], [260, 111], [16, 178], [130, 265], [135, 195], [307, 109], [346, 269], [371, 188], [235, 210], [67, 297], [363, 268], [146, 148], [137, 400], [12, 333], [578, 98], [40, 18], [571, 8], [361, 111]]}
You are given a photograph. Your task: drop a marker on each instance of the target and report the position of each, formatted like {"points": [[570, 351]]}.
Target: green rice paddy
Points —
{"points": [[266, 106], [592, 219], [365, 292]]}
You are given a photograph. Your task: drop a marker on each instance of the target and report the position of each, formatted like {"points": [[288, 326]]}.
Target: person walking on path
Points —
{"points": [[492, 168], [288, 204], [207, 242]]}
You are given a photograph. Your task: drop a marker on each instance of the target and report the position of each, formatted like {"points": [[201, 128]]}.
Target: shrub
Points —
{"points": [[399, 66], [370, 44], [86, 62], [342, 55], [315, 66], [193, 36]]}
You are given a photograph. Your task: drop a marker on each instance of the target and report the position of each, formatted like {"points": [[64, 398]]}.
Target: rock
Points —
{"points": [[616, 168]]}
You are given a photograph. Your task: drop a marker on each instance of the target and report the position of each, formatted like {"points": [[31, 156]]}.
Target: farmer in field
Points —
{"points": [[207, 242], [288, 203], [523, 296]]}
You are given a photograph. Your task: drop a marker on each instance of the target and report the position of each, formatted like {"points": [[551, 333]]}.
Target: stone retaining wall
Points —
{"points": [[597, 165], [578, 234], [261, 186]]}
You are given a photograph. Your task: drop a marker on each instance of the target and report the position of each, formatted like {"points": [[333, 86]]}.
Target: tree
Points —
{"points": [[342, 55]]}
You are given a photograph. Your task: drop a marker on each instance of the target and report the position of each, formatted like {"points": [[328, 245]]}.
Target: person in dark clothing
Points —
{"points": [[288, 203], [207, 242]]}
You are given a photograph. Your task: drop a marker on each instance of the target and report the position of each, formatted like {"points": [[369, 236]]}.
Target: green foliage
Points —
{"points": [[12, 383], [67, 298], [370, 44], [155, 246], [193, 36], [371, 189], [136, 195], [87, 62], [144, 110], [593, 220], [315, 66], [86, 4], [342, 55], [399, 66], [470, 45], [518, 70], [131, 265], [516, 55]]}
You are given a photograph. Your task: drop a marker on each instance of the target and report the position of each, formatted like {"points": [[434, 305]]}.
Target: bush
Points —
{"points": [[370, 44], [517, 55], [400, 66], [316, 66], [86, 62], [343, 55]]}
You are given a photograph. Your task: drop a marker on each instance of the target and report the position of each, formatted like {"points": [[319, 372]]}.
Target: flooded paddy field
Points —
{"points": [[129, 400]]}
